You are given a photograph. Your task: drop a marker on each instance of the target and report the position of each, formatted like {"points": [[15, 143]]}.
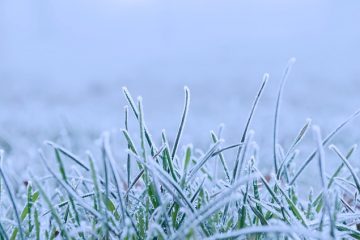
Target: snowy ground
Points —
{"points": [[63, 63]]}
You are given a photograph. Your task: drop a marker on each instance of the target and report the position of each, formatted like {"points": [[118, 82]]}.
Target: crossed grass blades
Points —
{"points": [[168, 192]]}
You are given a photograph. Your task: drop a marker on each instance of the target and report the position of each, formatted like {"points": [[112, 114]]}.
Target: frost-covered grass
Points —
{"points": [[158, 190]]}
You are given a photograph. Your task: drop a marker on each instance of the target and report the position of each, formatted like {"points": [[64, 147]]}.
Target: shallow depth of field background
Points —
{"points": [[63, 63]]}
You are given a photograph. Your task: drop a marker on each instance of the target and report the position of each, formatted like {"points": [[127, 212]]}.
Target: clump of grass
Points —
{"points": [[158, 190]]}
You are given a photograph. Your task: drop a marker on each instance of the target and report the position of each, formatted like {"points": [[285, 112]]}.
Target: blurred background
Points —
{"points": [[63, 63]]}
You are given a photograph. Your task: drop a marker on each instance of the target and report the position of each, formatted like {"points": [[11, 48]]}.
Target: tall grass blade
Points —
{"points": [[247, 125], [136, 113], [324, 143], [130, 142], [95, 181], [321, 155], [277, 110], [221, 156], [128, 158], [240, 157], [256, 101], [115, 174], [182, 123], [68, 154], [168, 161]]}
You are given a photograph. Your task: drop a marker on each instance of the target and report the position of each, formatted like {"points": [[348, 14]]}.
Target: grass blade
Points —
{"points": [[256, 101], [221, 156], [202, 161], [277, 110], [54, 213], [297, 140], [137, 115], [321, 155], [114, 173], [183, 120], [12, 200], [324, 143], [348, 165], [68, 154]]}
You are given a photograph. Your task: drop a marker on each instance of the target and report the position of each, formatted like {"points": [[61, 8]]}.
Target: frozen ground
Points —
{"points": [[62, 66]]}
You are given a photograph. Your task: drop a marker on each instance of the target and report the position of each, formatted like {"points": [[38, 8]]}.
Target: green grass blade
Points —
{"points": [[130, 142], [72, 192], [221, 156], [253, 108], [115, 174], [137, 115], [277, 110], [182, 123], [54, 213], [95, 182], [167, 157], [294, 209], [128, 157], [12, 200], [240, 157], [37, 224], [3, 233], [68, 154]]}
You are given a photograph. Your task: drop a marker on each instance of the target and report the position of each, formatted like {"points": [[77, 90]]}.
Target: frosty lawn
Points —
{"points": [[157, 190]]}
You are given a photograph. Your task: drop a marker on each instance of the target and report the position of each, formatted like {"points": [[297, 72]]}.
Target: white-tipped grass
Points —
{"points": [[240, 150], [145, 192], [277, 110], [325, 142], [292, 148], [348, 165], [326, 197], [182, 122], [221, 157]]}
